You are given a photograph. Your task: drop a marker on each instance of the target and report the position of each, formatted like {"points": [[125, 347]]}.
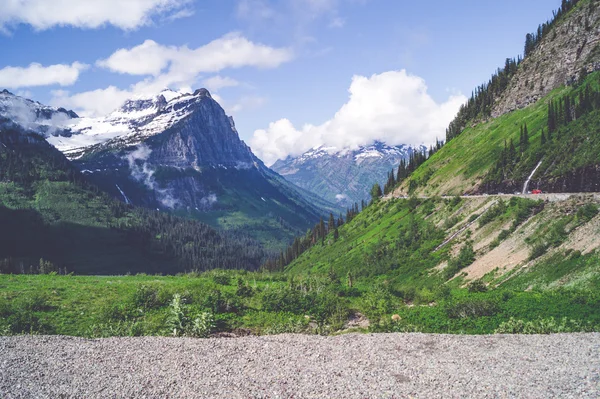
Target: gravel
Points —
{"points": [[302, 366]]}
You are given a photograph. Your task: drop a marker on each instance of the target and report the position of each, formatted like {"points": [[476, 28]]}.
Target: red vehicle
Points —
{"points": [[536, 192]]}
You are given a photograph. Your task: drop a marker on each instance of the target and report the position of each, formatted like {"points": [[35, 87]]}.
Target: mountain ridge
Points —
{"points": [[344, 176]]}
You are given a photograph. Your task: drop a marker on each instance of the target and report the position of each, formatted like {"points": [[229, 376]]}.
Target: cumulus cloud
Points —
{"points": [[393, 107], [39, 75], [127, 15], [230, 51], [91, 103], [178, 68]]}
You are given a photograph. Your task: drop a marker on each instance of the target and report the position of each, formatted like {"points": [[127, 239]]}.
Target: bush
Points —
{"points": [[451, 222], [471, 308], [117, 312], [34, 302], [492, 213], [478, 286], [219, 302], [587, 212], [243, 289], [202, 325], [465, 257], [545, 326], [222, 279], [25, 322], [147, 297], [283, 300], [538, 250]]}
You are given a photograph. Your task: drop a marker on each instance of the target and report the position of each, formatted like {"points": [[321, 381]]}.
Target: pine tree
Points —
{"points": [[336, 234], [331, 223], [543, 138]]}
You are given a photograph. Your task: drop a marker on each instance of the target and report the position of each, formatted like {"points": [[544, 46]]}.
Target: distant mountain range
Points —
{"points": [[178, 152], [344, 176]]}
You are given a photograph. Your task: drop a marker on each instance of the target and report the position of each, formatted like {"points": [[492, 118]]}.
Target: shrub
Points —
{"points": [[219, 302], [203, 325], [478, 286], [471, 308], [538, 250], [283, 300], [545, 326], [492, 213], [587, 212], [465, 257], [243, 289], [116, 312], [146, 297], [177, 320], [34, 302], [450, 222], [222, 279], [26, 322]]}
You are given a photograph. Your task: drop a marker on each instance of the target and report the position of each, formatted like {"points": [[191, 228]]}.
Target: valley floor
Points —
{"points": [[303, 366]]}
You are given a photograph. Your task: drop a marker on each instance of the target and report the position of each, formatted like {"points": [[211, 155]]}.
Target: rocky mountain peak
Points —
{"points": [[573, 45], [202, 92]]}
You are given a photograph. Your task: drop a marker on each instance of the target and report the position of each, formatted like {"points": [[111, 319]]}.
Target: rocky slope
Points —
{"points": [[573, 45], [343, 176]]}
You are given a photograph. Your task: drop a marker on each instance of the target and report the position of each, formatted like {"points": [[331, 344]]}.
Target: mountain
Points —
{"points": [[546, 140], [53, 219], [344, 176], [553, 95], [179, 152]]}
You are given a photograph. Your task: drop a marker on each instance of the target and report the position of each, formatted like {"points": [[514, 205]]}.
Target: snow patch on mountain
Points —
{"points": [[137, 119], [31, 115]]}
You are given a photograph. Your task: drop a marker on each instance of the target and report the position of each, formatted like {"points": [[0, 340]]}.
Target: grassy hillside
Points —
{"points": [[468, 163]]}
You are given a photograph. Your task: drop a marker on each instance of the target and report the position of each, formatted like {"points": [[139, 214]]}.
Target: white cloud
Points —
{"points": [[178, 68], [219, 82], [230, 51], [39, 75], [393, 107], [91, 103], [149, 58], [123, 14]]}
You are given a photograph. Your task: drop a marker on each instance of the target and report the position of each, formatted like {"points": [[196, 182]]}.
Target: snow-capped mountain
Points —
{"points": [[343, 176], [176, 151], [31, 115]]}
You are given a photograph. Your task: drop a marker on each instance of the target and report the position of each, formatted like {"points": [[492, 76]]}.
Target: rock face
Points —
{"points": [[573, 44], [343, 177]]}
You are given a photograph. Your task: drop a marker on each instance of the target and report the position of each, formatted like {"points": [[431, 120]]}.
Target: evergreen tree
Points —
{"points": [[376, 192]]}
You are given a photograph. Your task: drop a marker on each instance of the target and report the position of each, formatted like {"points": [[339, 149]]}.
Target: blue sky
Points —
{"points": [[283, 69]]}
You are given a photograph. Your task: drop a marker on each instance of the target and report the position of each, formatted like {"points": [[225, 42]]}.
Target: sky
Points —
{"points": [[294, 74]]}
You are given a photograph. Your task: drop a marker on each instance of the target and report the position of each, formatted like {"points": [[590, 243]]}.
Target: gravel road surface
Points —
{"points": [[301, 366]]}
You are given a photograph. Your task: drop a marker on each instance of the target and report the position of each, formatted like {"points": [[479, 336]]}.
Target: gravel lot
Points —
{"points": [[300, 366]]}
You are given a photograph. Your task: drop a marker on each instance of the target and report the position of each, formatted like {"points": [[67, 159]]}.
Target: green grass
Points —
{"points": [[91, 306]]}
